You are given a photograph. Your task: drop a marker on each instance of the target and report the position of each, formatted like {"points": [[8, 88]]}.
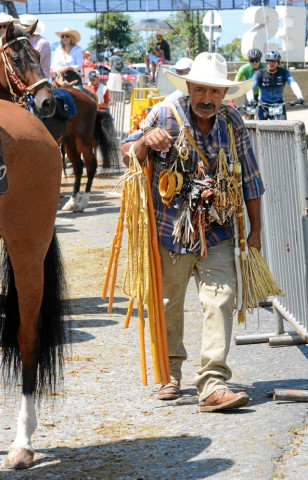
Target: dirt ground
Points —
{"points": [[104, 425]]}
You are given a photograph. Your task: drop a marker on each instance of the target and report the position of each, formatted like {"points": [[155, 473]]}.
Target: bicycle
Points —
{"points": [[275, 111]]}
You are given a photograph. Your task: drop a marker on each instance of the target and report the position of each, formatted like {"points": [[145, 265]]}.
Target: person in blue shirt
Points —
{"points": [[271, 82]]}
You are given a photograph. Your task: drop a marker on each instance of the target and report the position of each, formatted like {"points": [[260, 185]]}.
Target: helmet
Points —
{"points": [[254, 54], [272, 55]]}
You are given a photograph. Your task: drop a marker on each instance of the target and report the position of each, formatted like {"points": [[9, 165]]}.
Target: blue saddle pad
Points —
{"points": [[66, 107]]}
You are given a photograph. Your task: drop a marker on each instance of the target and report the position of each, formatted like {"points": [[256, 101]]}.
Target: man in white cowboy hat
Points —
{"points": [[37, 41], [68, 56], [5, 19], [182, 67], [194, 135]]}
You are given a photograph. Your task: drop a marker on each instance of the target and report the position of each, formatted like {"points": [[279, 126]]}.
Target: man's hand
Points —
{"points": [[253, 103], [254, 239], [157, 139], [254, 214], [300, 101]]}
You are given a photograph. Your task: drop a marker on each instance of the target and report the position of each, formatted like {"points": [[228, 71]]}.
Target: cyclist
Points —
{"points": [[246, 71], [271, 81]]}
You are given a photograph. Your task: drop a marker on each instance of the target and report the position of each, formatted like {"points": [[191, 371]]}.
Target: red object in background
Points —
{"points": [[87, 64], [232, 104], [128, 74], [162, 61]]}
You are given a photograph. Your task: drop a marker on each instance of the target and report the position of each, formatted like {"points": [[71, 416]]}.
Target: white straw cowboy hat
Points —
{"points": [[26, 20], [5, 18], [70, 31], [209, 69]]}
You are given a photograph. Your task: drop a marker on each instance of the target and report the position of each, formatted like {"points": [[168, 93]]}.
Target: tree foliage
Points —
{"points": [[187, 38], [114, 30], [232, 51]]}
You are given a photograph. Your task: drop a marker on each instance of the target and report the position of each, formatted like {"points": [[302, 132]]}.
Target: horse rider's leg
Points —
{"points": [[74, 156], [28, 266], [91, 165]]}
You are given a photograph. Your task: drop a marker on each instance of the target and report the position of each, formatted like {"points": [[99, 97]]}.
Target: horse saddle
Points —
{"points": [[3, 178], [65, 106]]}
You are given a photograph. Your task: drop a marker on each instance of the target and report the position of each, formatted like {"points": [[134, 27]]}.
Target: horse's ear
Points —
{"points": [[9, 33], [31, 28]]}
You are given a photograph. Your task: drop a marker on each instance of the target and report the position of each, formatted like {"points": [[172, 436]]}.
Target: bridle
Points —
{"points": [[11, 75]]}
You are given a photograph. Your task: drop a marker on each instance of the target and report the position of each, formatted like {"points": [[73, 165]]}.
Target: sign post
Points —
{"points": [[211, 26]]}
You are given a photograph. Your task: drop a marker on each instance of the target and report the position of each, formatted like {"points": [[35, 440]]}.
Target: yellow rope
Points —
{"points": [[136, 276]]}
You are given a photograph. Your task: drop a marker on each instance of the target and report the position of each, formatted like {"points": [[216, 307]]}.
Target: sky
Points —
{"points": [[77, 21]]}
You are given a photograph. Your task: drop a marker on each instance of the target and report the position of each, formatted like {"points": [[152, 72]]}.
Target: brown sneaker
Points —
{"points": [[223, 399], [170, 391]]}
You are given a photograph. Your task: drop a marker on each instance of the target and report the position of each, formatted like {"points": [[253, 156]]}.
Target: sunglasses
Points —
{"points": [[3, 27], [254, 61], [65, 36]]}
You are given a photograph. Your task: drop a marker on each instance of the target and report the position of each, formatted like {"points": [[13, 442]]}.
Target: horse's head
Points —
{"points": [[23, 73]]}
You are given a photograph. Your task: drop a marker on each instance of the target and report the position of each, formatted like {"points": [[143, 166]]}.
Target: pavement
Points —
{"points": [[106, 426]]}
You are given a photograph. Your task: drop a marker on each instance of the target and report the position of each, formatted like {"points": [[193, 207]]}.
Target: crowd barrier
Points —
{"points": [[281, 151], [117, 107]]}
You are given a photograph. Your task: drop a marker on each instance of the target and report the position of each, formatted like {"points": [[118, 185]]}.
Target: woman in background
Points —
{"points": [[68, 56]]}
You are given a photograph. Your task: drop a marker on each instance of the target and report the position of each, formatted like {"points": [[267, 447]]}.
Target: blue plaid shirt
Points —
{"points": [[162, 116]]}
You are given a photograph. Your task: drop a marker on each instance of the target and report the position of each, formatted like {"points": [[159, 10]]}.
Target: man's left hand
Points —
{"points": [[254, 239]]}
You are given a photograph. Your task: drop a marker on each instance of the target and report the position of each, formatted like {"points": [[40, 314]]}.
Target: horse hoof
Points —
{"points": [[19, 458], [78, 208], [70, 205], [84, 201]]}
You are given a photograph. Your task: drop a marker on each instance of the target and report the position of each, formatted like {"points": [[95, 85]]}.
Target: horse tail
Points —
{"points": [[53, 332], [106, 138]]}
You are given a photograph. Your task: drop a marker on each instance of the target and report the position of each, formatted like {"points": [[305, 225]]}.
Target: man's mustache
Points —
{"points": [[206, 106]]}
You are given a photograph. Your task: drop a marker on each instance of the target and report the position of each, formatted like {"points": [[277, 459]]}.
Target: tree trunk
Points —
{"points": [[10, 8]]}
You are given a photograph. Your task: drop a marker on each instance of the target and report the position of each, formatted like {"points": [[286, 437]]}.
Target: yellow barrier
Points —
{"points": [[141, 98]]}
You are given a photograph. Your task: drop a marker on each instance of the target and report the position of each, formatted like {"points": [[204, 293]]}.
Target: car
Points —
{"points": [[141, 67], [129, 77]]}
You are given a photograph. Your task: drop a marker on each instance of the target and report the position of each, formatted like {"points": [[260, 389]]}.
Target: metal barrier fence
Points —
{"points": [[281, 151], [117, 107]]}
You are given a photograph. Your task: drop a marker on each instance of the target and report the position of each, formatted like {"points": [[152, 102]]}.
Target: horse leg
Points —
{"points": [[91, 165], [29, 275], [74, 156]]}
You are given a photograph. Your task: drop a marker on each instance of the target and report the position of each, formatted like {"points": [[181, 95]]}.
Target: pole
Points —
{"points": [[211, 32]]}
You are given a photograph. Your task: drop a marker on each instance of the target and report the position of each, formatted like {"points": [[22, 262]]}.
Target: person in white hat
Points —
{"points": [[68, 56], [37, 41], [192, 139], [182, 67], [5, 19]]}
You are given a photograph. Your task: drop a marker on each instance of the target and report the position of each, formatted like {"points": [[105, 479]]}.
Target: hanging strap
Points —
{"points": [[189, 136]]}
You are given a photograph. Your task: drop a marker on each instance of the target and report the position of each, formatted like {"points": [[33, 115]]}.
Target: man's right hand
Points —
{"points": [[157, 139], [253, 103]]}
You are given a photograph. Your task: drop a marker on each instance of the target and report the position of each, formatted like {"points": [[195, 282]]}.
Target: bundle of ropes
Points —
{"points": [[142, 281]]}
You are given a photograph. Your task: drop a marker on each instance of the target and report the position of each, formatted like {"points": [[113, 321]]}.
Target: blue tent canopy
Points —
{"points": [[88, 6]]}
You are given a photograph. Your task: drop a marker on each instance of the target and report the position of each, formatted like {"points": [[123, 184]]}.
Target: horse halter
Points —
{"points": [[11, 74]]}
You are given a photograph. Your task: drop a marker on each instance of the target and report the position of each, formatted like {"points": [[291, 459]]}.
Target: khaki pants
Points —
{"points": [[215, 279]]}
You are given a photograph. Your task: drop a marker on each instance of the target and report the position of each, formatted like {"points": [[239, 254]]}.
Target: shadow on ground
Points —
{"points": [[140, 459]]}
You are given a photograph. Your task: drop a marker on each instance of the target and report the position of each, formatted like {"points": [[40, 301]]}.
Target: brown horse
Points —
{"points": [[32, 332], [21, 77], [20, 71]]}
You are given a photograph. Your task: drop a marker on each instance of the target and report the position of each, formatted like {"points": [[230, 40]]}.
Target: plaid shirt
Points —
{"points": [[162, 116]]}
